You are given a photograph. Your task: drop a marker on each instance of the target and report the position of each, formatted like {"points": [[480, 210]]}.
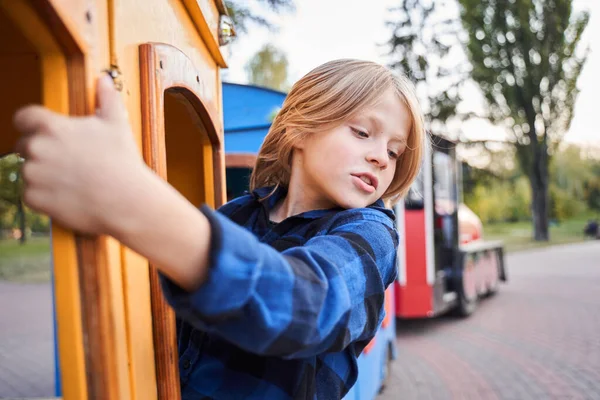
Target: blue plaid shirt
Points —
{"points": [[287, 307]]}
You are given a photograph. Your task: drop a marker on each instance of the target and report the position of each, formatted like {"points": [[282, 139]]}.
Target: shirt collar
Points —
{"points": [[280, 192]]}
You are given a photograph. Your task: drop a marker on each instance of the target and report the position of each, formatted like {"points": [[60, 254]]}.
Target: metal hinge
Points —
{"points": [[226, 30], [116, 75]]}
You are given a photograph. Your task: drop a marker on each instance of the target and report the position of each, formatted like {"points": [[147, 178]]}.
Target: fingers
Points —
{"points": [[36, 187], [34, 199], [31, 146], [109, 101], [21, 145], [30, 119], [35, 176]]}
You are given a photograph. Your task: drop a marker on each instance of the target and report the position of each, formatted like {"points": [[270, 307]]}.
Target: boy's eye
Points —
{"points": [[360, 133]]}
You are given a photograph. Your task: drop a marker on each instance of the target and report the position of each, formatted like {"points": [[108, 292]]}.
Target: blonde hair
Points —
{"points": [[327, 96]]}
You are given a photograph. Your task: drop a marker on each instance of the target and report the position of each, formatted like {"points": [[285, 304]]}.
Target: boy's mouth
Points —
{"points": [[369, 180]]}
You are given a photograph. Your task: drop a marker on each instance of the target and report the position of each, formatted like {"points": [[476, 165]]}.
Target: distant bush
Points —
{"points": [[503, 201], [564, 204]]}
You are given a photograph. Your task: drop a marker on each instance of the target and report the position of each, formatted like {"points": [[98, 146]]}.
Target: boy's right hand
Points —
{"points": [[77, 170]]}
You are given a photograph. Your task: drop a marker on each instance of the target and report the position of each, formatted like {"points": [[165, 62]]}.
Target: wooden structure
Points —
{"points": [[116, 337]]}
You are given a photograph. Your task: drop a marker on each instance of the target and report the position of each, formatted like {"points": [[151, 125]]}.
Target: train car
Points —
{"points": [[248, 113], [444, 262], [115, 334]]}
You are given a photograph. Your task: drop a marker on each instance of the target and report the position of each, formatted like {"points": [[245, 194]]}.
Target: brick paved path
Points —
{"points": [[539, 338], [26, 340]]}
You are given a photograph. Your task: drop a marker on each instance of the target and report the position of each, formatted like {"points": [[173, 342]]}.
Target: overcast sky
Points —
{"points": [[322, 30]]}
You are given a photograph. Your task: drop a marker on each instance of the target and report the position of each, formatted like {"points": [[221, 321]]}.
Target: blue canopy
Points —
{"points": [[247, 112]]}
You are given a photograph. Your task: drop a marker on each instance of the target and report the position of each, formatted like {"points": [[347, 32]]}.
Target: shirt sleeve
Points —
{"points": [[303, 301]]}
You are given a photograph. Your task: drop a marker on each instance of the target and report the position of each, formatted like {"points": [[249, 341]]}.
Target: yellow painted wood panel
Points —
{"points": [[119, 331], [47, 83], [179, 140], [85, 35], [136, 285], [68, 315], [186, 138], [208, 168], [159, 21], [205, 16]]}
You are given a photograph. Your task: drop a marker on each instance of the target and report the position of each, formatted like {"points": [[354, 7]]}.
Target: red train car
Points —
{"points": [[444, 263]]}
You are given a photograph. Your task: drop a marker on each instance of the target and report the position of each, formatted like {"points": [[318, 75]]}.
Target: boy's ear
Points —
{"points": [[300, 143]]}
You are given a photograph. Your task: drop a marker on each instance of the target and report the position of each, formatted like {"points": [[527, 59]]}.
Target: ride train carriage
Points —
{"points": [[115, 334]]}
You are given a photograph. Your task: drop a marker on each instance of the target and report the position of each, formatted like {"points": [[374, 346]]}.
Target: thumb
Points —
{"points": [[109, 104]]}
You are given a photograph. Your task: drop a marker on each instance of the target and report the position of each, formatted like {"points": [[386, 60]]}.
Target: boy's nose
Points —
{"points": [[379, 158]]}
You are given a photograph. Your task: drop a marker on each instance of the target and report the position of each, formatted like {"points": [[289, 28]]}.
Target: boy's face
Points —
{"points": [[352, 165]]}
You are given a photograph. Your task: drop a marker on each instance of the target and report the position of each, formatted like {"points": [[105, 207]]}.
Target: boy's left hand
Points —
{"points": [[77, 169]]}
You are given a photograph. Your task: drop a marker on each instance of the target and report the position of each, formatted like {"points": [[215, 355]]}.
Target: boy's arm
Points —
{"points": [[178, 241], [305, 301]]}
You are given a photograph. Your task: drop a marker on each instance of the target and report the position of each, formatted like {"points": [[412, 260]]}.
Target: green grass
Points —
{"points": [[25, 263], [518, 236]]}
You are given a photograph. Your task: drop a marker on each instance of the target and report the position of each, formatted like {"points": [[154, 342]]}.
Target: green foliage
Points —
{"points": [[501, 201], [593, 196], [268, 68], [12, 210], [523, 55], [244, 14], [570, 170], [525, 60], [519, 204], [37, 222], [10, 184], [573, 190], [575, 183], [10, 192], [563, 204], [427, 59], [592, 187]]}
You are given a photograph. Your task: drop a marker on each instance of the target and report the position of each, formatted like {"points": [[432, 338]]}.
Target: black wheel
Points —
{"points": [[465, 305], [467, 290], [493, 288]]}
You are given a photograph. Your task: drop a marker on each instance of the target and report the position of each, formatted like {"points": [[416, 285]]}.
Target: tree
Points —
{"points": [[423, 38], [268, 68], [11, 202], [523, 56], [525, 61], [243, 15]]}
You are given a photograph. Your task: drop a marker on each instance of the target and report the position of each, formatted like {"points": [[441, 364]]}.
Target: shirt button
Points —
{"points": [[186, 364]]}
